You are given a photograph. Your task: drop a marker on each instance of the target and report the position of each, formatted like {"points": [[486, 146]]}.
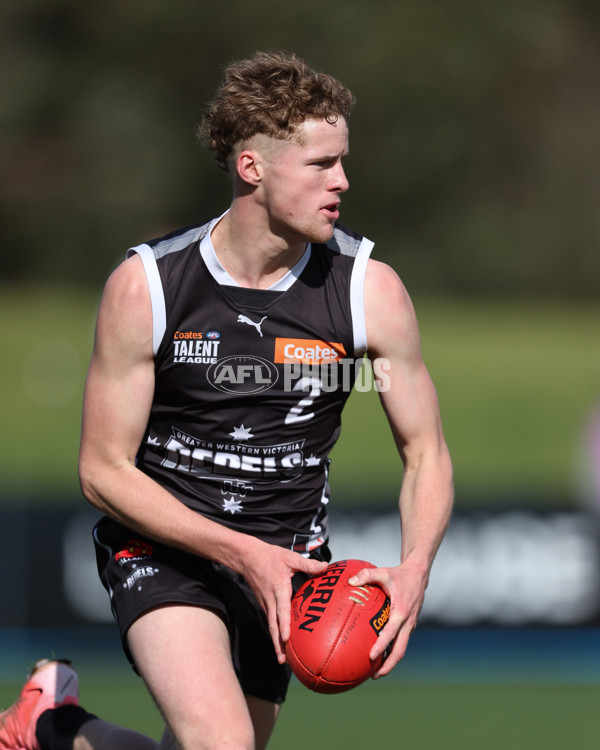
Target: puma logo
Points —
{"points": [[246, 319]]}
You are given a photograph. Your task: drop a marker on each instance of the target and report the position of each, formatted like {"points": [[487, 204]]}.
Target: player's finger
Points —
{"points": [[278, 644], [283, 618], [395, 641], [397, 651], [269, 605], [312, 567], [283, 596], [386, 637], [367, 575]]}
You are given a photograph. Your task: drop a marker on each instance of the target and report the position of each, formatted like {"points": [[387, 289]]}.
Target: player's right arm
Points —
{"points": [[117, 401]]}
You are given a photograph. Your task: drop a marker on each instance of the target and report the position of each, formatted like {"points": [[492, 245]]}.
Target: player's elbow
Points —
{"points": [[89, 479], [87, 485]]}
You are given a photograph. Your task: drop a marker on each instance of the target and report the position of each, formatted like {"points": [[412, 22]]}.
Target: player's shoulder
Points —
{"points": [[127, 278], [126, 290], [124, 323], [384, 286], [389, 313]]}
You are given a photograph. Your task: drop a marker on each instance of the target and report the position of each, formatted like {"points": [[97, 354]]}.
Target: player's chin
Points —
{"points": [[323, 234]]}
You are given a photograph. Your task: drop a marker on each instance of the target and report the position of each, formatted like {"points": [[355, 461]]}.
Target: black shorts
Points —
{"points": [[140, 574]]}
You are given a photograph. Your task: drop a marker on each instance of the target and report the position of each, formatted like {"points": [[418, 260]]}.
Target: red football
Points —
{"points": [[334, 626]]}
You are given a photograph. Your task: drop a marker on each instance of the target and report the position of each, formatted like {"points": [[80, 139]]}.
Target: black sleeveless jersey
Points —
{"points": [[250, 384]]}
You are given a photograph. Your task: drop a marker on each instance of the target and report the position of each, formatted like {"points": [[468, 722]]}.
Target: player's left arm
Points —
{"points": [[411, 406]]}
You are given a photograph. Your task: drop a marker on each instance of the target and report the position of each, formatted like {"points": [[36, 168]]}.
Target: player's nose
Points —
{"points": [[339, 181]]}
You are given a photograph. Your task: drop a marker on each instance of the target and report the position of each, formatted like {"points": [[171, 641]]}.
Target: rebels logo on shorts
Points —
{"points": [[134, 549]]}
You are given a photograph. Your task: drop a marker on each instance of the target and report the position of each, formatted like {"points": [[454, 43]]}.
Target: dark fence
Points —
{"points": [[507, 569]]}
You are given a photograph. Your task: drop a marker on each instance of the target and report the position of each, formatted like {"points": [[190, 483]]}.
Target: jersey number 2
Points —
{"points": [[298, 412]]}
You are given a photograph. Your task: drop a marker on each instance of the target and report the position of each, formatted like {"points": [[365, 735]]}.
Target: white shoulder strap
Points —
{"points": [[157, 296], [357, 297]]}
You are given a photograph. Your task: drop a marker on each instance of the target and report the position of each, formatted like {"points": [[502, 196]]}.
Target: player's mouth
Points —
{"points": [[332, 211]]}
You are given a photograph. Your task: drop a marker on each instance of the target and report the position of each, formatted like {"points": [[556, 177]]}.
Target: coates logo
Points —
{"points": [[307, 351], [381, 617], [187, 335], [213, 335], [134, 548], [243, 374]]}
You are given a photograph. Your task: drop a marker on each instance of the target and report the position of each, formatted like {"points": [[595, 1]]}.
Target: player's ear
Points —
{"points": [[249, 167]]}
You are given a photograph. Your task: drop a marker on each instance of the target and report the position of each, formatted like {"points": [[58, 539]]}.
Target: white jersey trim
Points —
{"points": [[157, 295], [357, 296], [221, 276]]}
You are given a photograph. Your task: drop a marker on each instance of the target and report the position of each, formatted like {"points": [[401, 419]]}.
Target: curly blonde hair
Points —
{"points": [[271, 93]]}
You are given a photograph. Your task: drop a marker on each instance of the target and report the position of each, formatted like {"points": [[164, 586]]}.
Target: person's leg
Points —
{"points": [[102, 735], [51, 684], [98, 734], [47, 716], [263, 714], [183, 653]]}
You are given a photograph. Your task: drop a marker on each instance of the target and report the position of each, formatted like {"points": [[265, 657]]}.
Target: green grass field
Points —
{"points": [[377, 715], [515, 383]]}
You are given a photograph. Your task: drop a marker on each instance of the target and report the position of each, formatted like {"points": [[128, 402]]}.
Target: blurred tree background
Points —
{"points": [[476, 131], [474, 165]]}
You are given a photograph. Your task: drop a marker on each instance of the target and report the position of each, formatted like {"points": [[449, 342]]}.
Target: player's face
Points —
{"points": [[303, 182]]}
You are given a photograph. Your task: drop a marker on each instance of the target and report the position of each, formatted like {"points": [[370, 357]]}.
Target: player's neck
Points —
{"points": [[250, 253]]}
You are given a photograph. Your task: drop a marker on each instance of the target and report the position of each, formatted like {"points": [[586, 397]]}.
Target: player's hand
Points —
{"points": [[269, 569], [405, 586]]}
